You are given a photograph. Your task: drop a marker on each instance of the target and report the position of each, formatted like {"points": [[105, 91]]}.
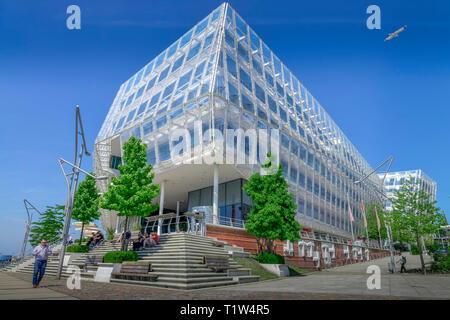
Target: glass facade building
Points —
{"points": [[394, 181], [221, 76]]}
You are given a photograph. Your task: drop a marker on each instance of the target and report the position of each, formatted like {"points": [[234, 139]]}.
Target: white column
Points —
{"points": [[216, 195], [161, 206]]}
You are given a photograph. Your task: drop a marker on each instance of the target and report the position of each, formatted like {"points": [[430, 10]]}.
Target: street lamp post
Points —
{"points": [[71, 189]]}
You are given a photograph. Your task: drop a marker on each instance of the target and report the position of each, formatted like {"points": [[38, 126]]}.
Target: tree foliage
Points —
{"points": [[49, 226], [86, 203], [414, 215], [132, 193], [272, 216], [372, 225]]}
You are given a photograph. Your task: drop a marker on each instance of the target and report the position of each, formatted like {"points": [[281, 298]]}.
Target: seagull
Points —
{"points": [[395, 34]]}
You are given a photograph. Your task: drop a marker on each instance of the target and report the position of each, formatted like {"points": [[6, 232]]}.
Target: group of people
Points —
{"points": [[144, 241], [96, 239]]}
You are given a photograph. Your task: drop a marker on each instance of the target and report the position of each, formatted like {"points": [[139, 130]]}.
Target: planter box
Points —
{"points": [[280, 270]]}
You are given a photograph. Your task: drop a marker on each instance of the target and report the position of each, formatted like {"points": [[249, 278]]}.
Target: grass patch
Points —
{"points": [[255, 268]]}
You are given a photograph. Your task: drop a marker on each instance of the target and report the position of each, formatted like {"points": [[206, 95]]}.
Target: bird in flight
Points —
{"points": [[395, 34]]}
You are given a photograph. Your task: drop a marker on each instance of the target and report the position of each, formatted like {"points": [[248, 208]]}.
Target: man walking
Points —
{"points": [[40, 253], [402, 260]]}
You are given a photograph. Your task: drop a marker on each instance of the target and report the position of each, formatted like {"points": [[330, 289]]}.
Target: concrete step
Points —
{"points": [[190, 275], [163, 284], [239, 272], [247, 279]]}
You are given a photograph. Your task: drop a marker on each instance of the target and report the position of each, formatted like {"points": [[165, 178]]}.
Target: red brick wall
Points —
{"points": [[246, 241]]}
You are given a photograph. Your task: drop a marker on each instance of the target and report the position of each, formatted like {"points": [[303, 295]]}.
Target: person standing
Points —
{"points": [[41, 253]]}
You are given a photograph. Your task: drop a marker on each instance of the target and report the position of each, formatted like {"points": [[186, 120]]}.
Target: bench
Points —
{"points": [[135, 270], [216, 262], [90, 261]]}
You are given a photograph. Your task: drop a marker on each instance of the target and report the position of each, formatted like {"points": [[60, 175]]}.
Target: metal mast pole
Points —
{"points": [[28, 206], [72, 186]]}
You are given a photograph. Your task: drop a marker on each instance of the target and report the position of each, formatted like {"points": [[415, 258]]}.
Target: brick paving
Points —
{"points": [[112, 291]]}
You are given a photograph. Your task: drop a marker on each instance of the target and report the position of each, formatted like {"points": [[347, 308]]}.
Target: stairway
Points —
{"points": [[178, 262], [177, 259], [53, 261]]}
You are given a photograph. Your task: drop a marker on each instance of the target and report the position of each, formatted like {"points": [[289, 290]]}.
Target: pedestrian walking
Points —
{"points": [[41, 253], [402, 260]]}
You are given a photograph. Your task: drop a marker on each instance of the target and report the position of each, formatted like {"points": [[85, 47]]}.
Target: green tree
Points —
{"points": [[272, 216], [86, 203], [132, 193], [414, 215], [372, 224], [49, 226]]}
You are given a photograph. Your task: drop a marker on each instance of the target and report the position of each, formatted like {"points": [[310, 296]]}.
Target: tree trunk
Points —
{"points": [[124, 238], [82, 229], [421, 253]]}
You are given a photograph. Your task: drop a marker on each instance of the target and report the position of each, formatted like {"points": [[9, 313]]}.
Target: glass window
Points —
{"points": [[151, 83], [172, 50], [231, 66], [151, 156], [208, 41], [149, 68], [184, 80], [302, 153], [164, 74], [259, 92], [309, 209], [159, 60], [201, 26], [177, 64], [310, 160], [193, 51], [161, 121], [302, 179], [293, 175], [309, 184], [272, 105], [142, 107], [242, 51], [147, 128], [164, 151], [245, 79], [185, 39], [257, 66], [234, 93], [140, 91], [168, 91], [262, 113], [247, 103], [316, 188], [229, 38], [269, 80], [283, 115]]}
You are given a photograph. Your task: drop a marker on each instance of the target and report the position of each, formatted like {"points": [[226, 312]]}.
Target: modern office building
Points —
{"points": [[394, 181], [210, 107]]}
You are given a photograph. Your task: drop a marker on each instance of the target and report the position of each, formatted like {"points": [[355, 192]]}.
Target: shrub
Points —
{"points": [[77, 248], [120, 256], [432, 247], [441, 263], [414, 249], [271, 258]]}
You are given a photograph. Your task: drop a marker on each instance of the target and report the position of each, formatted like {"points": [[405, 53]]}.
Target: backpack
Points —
{"points": [[403, 259]]}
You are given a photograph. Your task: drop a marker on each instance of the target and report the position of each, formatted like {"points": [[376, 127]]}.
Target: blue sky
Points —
{"points": [[389, 98]]}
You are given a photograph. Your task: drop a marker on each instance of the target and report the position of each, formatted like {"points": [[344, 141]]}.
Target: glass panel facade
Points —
{"points": [[228, 78]]}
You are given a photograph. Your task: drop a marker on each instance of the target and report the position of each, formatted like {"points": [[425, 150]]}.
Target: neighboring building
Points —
{"points": [[221, 76], [394, 181]]}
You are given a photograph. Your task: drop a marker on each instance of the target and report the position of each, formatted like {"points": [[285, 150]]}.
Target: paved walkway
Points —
{"points": [[352, 280], [347, 282], [13, 288]]}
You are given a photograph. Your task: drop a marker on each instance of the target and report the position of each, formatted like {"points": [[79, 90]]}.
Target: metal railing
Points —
{"points": [[187, 222]]}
